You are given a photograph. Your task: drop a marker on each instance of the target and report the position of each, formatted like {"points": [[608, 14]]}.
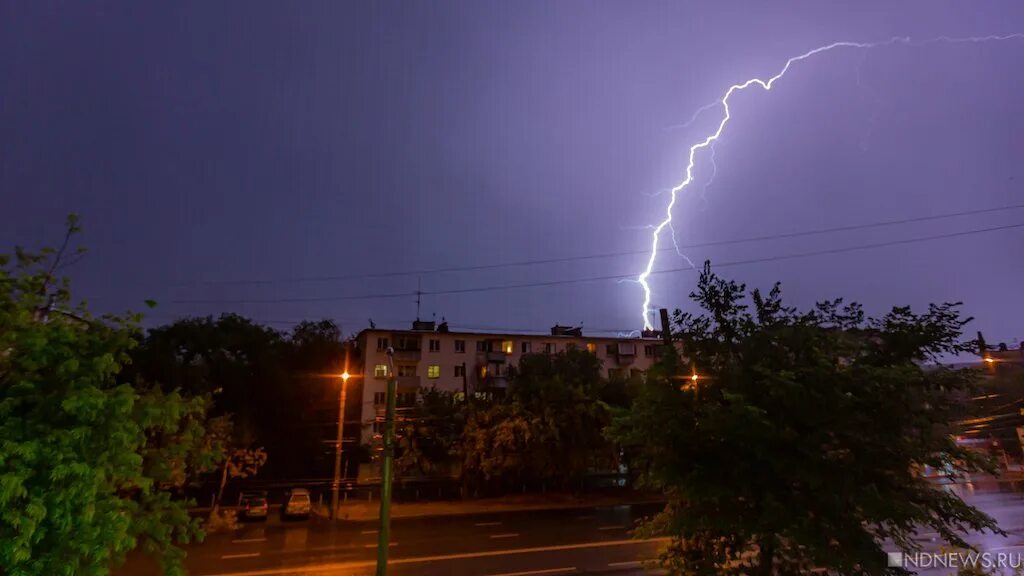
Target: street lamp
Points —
{"points": [[337, 446]]}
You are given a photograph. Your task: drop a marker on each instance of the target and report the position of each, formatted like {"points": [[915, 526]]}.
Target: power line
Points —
{"points": [[604, 277], [478, 267]]}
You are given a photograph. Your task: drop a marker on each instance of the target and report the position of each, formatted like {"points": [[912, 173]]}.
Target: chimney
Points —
{"points": [[559, 330], [424, 325], [442, 327]]}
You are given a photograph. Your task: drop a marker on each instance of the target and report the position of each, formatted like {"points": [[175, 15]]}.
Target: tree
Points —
{"points": [[427, 435], [547, 429], [81, 482], [797, 445]]}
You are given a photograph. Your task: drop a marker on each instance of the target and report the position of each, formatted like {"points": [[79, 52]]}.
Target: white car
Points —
{"points": [[296, 504]]}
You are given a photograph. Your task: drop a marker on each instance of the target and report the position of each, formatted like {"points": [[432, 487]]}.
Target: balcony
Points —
{"points": [[407, 354], [494, 383], [624, 359], [408, 383]]}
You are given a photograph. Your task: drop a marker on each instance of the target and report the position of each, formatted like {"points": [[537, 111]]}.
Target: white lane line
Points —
{"points": [[368, 532], [487, 524], [624, 564], [509, 535], [547, 571], [617, 527], [234, 556], [390, 544], [248, 540], [342, 566]]}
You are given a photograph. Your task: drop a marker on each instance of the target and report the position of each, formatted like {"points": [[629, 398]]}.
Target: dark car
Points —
{"points": [[254, 508], [253, 505]]}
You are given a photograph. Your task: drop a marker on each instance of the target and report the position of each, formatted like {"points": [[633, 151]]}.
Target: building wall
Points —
{"points": [[414, 368]]}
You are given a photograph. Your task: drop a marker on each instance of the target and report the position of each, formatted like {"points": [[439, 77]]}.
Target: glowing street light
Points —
{"points": [[337, 446]]}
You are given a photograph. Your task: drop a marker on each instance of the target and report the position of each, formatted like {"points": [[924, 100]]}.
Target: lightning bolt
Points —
{"points": [[766, 85]]}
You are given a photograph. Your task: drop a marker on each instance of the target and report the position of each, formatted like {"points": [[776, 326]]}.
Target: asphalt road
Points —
{"points": [[589, 540], [578, 541]]}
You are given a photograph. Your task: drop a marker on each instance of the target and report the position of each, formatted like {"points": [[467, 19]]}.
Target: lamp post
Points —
{"points": [[337, 446], [384, 531]]}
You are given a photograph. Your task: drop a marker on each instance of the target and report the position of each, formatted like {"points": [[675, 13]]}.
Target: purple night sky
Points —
{"points": [[204, 142]]}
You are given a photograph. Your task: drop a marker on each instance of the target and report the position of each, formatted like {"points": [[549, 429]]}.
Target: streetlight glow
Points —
{"points": [[694, 377], [345, 376]]}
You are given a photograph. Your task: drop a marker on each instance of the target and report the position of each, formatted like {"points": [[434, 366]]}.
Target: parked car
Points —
{"points": [[296, 504], [255, 508]]}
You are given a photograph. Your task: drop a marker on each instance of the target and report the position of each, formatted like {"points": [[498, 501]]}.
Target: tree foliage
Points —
{"points": [[547, 429], [427, 435], [799, 444], [86, 461]]}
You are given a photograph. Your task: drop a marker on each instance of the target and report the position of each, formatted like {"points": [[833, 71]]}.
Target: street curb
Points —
{"points": [[528, 508]]}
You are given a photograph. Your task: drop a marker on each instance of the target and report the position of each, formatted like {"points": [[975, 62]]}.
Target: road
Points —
{"points": [[577, 541], [586, 540]]}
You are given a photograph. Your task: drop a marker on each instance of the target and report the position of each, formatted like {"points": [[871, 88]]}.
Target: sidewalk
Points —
{"points": [[370, 510]]}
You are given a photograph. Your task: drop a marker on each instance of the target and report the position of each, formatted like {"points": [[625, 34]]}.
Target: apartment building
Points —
{"points": [[431, 355]]}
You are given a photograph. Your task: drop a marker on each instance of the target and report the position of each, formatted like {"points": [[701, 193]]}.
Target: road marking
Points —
{"points": [[487, 524], [340, 566], [368, 532], [248, 540], [624, 564], [509, 535], [528, 573], [390, 544], [618, 527], [234, 556]]}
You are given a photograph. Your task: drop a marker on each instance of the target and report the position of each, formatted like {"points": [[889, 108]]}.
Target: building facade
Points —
{"points": [[474, 362]]}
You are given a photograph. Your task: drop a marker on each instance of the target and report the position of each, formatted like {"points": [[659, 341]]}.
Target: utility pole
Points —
{"points": [[666, 331], [384, 531], [338, 445], [465, 385]]}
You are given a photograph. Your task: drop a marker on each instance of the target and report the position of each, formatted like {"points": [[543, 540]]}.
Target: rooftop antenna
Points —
{"points": [[419, 293]]}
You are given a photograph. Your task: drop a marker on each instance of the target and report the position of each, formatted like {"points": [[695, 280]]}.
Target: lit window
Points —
{"points": [[591, 347], [435, 345], [433, 371], [460, 371], [406, 370], [380, 371], [483, 372], [507, 346], [460, 345], [525, 347]]}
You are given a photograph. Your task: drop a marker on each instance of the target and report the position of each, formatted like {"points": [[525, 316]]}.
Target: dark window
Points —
{"points": [[435, 345], [460, 371], [382, 343], [610, 349], [460, 345], [482, 346], [525, 347], [649, 350]]}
